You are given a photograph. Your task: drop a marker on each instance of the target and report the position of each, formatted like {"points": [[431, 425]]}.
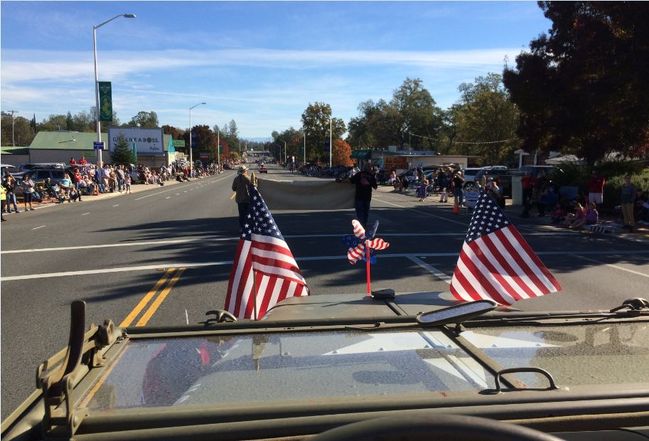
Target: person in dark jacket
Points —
{"points": [[240, 186], [364, 181]]}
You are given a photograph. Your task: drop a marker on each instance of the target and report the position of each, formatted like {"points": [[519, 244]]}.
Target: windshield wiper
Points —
{"points": [[475, 311], [635, 304]]}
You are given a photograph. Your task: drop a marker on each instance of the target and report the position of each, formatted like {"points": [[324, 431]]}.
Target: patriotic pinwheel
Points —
{"points": [[358, 252], [360, 246]]}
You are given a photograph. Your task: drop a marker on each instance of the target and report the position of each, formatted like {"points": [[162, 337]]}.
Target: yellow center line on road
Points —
{"points": [[145, 300], [161, 298]]}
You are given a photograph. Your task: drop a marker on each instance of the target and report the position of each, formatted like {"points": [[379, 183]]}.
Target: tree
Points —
{"points": [[203, 140], [122, 153], [54, 123], [294, 143], [144, 120], [315, 124], [582, 88], [485, 120], [421, 117], [233, 131], [377, 127], [23, 134], [342, 153], [175, 132], [84, 122]]}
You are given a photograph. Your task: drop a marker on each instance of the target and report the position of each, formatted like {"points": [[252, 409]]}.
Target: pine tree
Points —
{"points": [[123, 153]]}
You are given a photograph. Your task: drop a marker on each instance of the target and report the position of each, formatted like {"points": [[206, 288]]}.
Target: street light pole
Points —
{"points": [[94, 50], [284, 152], [191, 158], [330, 143], [304, 148], [218, 146]]}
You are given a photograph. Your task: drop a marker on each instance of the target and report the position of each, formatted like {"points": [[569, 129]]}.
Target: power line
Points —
{"points": [[464, 142]]}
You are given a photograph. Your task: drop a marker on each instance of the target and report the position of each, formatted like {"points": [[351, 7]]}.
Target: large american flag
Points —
{"points": [[496, 263], [264, 271]]}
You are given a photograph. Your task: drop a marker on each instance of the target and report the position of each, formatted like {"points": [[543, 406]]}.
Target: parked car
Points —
{"points": [[29, 167], [469, 173], [496, 171], [536, 170]]}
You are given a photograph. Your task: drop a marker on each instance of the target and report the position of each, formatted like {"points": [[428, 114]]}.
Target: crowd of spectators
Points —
{"points": [[82, 179]]}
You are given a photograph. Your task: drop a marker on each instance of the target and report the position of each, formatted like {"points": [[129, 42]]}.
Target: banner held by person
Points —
{"points": [[264, 271], [496, 263]]}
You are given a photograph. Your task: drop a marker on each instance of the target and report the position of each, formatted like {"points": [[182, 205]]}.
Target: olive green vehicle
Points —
{"points": [[343, 367]]}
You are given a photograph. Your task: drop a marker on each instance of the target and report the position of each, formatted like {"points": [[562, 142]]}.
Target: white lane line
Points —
{"points": [[453, 221], [184, 191], [168, 197], [434, 271], [112, 245], [38, 228], [177, 194], [111, 270], [156, 193], [116, 205], [225, 239], [165, 265], [637, 273], [85, 214]]}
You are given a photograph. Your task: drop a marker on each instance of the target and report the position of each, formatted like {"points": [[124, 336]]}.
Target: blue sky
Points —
{"points": [[259, 63]]}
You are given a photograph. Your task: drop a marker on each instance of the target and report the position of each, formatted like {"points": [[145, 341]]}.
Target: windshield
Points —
{"points": [[263, 158], [288, 367]]}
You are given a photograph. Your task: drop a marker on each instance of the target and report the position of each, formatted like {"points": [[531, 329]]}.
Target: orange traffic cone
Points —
{"points": [[456, 208]]}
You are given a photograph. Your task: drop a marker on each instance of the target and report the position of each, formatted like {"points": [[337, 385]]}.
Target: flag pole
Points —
{"points": [[254, 292], [367, 268]]}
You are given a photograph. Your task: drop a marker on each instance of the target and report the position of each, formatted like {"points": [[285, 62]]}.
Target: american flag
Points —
{"points": [[496, 263], [264, 271]]}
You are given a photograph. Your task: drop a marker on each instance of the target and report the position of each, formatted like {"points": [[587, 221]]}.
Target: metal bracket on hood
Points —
{"points": [[59, 375]]}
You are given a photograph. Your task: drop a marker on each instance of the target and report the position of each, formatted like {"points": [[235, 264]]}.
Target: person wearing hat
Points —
{"points": [[240, 187]]}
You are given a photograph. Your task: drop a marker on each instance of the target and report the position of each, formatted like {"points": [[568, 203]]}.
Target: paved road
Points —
{"points": [[174, 246]]}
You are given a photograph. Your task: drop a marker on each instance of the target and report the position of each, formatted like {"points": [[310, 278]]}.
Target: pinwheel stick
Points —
{"points": [[367, 268]]}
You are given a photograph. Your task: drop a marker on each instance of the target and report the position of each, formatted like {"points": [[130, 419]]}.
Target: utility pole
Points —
{"points": [[13, 139], [330, 142]]}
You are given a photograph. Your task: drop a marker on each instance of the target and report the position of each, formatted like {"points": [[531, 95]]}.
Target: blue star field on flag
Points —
{"points": [[487, 218]]}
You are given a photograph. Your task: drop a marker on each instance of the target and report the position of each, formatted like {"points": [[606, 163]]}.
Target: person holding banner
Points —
{"points": [[242, 198], [364, 181]]}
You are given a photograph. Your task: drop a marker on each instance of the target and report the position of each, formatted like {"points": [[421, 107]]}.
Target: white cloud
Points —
{"points": [[20, 66], [263, 90]]}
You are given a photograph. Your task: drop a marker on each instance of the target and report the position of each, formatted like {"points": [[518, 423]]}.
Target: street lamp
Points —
{"points": [[94, 49], [191, 159], [218, 146], [330, 142]]}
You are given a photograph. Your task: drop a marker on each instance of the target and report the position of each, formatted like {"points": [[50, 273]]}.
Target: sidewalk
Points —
{"points": [[606, 226]]}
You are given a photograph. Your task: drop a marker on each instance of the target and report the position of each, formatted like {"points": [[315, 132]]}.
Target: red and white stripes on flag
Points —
{"points": [[496, 262], [264, 271]]}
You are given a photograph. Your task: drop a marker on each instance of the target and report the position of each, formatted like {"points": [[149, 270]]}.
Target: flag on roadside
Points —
{"points": [[264, 271], [496, 263]]}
